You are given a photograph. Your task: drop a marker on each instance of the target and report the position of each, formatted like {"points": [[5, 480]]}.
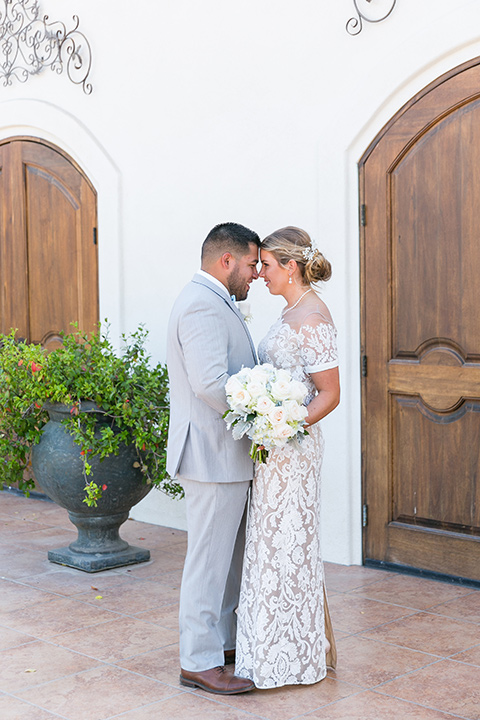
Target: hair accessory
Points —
{"points": [[310, 253]]}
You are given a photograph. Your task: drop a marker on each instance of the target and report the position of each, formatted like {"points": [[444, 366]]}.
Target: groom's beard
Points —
{"points": [[237, 285]]}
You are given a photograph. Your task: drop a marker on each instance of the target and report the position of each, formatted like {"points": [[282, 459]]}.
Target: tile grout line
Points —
{"points": [[426, 707], [362, 636], [34, 705], [406, 607]]}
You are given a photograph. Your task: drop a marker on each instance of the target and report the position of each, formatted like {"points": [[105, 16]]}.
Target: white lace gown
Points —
{"points": [[283, 617]]}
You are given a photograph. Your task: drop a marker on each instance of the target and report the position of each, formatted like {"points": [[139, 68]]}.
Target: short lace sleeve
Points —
{"points": [[318, 344]]}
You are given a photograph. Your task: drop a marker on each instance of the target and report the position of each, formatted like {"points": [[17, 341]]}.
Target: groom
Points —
{"points": [[207, 342]]}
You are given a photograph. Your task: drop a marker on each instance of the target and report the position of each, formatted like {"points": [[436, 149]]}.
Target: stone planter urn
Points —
{"points": [[58, 467]]}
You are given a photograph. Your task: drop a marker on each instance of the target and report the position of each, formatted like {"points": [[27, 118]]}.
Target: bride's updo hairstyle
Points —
{"points": [[292, 243]]}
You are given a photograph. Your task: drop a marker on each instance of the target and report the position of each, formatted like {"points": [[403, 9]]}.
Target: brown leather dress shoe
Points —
{"points": [[216, 680], [229, 657]]}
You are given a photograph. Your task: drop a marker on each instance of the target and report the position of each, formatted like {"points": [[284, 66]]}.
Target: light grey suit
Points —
{"points": [[207, 342]]}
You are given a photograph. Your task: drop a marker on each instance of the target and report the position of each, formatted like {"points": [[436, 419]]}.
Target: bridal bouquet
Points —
{"points": [[265, 403]]}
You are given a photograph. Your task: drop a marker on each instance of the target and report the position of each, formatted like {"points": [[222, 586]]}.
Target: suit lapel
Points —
{"points": [[223, 295], [246, 330]]}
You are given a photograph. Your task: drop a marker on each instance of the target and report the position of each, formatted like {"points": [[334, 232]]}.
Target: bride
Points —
{"points": [[284, 634]]}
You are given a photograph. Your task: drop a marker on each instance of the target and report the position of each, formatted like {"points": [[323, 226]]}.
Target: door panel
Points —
{"points": [[50, 275], [421, 331], [13, 268], [433, 194], [449, 499]]}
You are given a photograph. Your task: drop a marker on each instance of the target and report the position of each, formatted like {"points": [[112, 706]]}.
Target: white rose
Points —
{"points": [[283, 431], [261, 373], [233, 385], [283, 375], [239, 400], [280, 389], [264, 405], [256, 388], [268, 367], [278, 416], [295, 412], [298, 391]]}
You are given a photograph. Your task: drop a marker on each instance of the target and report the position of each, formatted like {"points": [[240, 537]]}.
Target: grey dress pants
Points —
{"points": [[216, 518]]}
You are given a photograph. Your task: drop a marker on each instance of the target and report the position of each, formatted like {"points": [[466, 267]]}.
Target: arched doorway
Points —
{"points": [[48, 242], [420, 198]]}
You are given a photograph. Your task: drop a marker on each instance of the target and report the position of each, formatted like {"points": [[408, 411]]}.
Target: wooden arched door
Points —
{"points": [[420, 196], [48, 242]]}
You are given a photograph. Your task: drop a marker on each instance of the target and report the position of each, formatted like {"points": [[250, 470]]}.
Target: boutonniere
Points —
{"points": [[244, 308]]}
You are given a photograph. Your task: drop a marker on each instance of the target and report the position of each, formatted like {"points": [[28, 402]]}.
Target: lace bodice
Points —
{"points": [[310, 348]]}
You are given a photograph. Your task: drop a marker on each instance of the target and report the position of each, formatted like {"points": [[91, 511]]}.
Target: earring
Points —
{"points": [[289, 279]]}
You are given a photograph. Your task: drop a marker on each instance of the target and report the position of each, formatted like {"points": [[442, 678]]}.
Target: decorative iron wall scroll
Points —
{"points": [[29, 43], [372, 11]]}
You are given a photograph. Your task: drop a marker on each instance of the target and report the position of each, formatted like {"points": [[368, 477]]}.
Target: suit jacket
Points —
{"points": [[207, 342]]}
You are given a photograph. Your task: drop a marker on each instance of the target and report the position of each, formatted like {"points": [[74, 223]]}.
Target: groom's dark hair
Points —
{"points": [[228, 237]]}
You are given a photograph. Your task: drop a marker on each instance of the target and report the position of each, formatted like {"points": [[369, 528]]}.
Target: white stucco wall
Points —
{"points": [[255, 112]]}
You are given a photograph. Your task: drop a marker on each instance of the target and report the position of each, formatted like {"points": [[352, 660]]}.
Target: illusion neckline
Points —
{"points": [[326, 321], [284, 312]]}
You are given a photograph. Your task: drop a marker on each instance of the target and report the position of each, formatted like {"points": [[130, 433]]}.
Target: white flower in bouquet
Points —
{"points": [[265, 403], [278, 415], [295, 412], [281, 389], [236, 381], [233, 385], [283, 374], [283, 431], [261, 431], [256, 388], [298, 391], [260, 373], [240, 400]]}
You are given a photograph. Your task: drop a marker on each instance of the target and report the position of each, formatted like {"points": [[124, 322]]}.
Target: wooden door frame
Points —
{"points": [[420, 98], [41, 141]]}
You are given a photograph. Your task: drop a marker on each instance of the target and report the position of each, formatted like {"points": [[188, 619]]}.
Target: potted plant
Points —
{"points": [[92, 423]]}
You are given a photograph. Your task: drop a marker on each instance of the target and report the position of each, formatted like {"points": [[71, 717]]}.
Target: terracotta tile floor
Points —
{"points": [[80, 646]]}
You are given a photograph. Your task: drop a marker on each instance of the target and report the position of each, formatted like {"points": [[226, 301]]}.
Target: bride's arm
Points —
{"points": [[328, 385], [319, 350]]}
